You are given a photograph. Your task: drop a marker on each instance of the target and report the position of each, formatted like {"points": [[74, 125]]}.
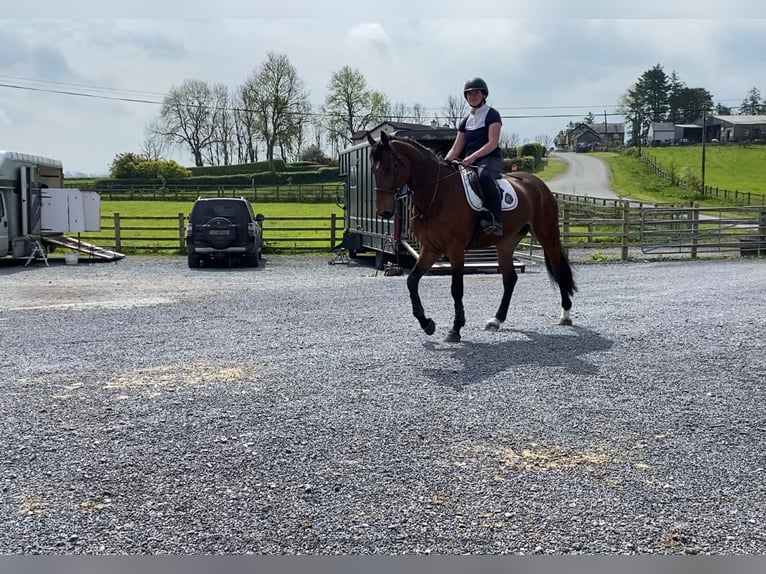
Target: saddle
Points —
{"points": [[474, 192]]}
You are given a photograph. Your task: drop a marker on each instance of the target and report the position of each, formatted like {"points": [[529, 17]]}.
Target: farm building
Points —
{"points": [[738, 128]]}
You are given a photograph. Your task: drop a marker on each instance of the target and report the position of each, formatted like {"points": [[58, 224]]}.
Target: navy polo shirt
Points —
{"points": [[475, 126]]}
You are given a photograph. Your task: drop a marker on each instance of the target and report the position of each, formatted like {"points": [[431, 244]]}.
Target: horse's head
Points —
{"points": [[391, 172]]}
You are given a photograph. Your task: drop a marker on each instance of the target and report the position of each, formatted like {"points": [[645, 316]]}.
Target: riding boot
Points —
{"points": [[493, 225]]}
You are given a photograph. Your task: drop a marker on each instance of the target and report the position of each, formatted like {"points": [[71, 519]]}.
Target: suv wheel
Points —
{"points": [[194, 261]]}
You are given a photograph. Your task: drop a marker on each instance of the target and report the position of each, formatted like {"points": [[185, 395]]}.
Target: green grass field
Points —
{"points": [[728, 167], [631, 178]]}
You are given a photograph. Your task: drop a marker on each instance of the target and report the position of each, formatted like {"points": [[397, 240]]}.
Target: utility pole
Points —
{"points": [[606, 134], [702, 178]]}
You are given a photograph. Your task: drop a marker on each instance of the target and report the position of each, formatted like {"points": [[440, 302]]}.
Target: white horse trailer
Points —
{"points": [[37, 212]]}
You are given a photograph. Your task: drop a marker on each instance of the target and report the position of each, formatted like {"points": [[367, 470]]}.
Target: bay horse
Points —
{"points": [[445, 224]]}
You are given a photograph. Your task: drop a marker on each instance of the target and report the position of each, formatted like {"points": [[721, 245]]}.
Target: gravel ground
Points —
{"points": [[297, 408]]}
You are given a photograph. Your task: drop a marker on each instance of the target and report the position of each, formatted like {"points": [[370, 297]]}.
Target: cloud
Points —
{"points": [[543, 70]]}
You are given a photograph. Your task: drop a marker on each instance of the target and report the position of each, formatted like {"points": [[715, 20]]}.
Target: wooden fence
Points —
{"points": [[584, 222], [299, 193]]}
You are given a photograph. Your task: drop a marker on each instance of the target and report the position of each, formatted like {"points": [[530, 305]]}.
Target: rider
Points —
{"points": [[479, 135]]}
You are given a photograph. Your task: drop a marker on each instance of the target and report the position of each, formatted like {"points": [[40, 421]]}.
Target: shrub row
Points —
{"points": [[320, 175]]}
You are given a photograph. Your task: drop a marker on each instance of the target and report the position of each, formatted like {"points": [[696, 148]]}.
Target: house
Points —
{"points": [[595, 135], [582, 137], [737, 128], [661, 134], [612, 135]]}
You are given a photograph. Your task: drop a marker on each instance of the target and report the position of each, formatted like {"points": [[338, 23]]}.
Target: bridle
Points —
{"points": [[399, 192]]}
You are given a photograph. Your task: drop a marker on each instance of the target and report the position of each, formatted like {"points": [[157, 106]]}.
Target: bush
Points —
{"points": [[137, 166]]}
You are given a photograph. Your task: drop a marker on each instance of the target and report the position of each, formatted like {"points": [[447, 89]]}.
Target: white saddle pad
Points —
{"points": [[509, 199]]}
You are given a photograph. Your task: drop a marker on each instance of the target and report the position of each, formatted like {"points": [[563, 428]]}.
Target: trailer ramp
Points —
{"points": [[476, 261], [93, 251]]}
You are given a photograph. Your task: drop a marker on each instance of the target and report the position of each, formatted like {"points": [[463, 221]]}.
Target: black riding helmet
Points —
{"points": [[476, 84]]}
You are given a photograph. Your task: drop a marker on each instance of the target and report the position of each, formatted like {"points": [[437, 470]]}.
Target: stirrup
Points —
{"points": [[492, 227]]}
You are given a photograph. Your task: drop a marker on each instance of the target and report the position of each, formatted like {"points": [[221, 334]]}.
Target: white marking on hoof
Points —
{"points": [[493, 324], [564, 318]]}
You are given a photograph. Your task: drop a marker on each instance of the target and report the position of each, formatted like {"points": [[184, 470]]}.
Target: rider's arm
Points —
{"points": [[493, 135], [457, 146]]}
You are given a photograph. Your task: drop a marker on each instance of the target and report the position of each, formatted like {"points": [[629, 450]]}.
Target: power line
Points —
{"points": [[84, 94]]}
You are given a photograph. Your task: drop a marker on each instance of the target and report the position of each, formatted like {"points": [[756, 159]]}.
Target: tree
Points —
{"points": [[455, 110], [633, 108], [279, 102], [221, 149], [751, 105], [187, 117], [693, 103], [351, 107], [589, 119], [314, 154], [655, 86], [154, 144], [675, 98], [722, 110]]}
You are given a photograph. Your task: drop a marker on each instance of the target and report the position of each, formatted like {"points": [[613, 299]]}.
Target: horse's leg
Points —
{"points": [[557, 265], [425, 260], [508, 271], [456, 288]]}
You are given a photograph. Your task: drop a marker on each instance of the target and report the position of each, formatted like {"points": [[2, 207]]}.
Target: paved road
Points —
{"points": [[587, 175]]}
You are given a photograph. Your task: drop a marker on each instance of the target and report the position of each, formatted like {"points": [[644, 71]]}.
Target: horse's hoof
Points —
{"points": [[492, 325], [452, 337], [567, 322], [430, 327]]}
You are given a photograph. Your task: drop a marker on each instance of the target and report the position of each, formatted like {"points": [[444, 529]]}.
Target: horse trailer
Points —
{"points": [[36, 210], [392, 240]]}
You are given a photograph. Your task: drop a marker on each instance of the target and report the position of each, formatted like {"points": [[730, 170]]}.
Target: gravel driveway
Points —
{"points": [[297, 408]]}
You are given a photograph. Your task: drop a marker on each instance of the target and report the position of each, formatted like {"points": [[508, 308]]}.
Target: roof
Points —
{"points": [[742, 120], [395, 126], [689, 126], [27, 158]]}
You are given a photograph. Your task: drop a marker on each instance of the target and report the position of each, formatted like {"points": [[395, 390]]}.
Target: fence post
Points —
{"points": [[694, 220], [117, 240], [625, 230], [181, 234], [332, 230]]}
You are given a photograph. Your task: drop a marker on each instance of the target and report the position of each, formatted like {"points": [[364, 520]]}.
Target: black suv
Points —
{"points": [[224, 228]]}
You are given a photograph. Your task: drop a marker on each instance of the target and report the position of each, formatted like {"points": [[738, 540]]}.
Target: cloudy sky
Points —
{"points": [[82, 84]]}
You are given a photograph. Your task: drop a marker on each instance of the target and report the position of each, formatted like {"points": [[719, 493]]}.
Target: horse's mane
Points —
{"points": [[417, 145], [423, 148]]}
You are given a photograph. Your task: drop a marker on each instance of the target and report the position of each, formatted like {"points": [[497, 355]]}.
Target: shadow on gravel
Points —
{"points": [[481, 361]]}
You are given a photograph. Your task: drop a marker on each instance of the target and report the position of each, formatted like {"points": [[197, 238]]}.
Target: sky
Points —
{"points": [[82, 84]]}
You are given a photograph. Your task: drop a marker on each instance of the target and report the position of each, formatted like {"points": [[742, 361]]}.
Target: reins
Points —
{"points": [[399, 193]]}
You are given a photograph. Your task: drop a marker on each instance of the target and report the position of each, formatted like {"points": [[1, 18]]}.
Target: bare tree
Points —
{"points": [[155, 145], [455, 111], [279, 102], [244, 121], [400, 112], [419, 114], [221, 149], [187, 118], [545, 140]]}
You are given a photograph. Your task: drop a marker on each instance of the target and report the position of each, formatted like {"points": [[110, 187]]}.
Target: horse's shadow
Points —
{"points": [[481, 361]]}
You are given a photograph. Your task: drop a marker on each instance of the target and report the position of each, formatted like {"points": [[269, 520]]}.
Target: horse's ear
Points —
{"points": [[384, 138], [369, 138]]}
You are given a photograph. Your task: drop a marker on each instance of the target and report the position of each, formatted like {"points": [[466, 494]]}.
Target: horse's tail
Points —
{"points": [[563, 274], [545, 226]]}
